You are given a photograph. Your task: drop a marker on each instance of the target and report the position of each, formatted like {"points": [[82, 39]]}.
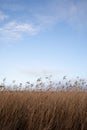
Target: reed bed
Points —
{"points": [[39, 110]]}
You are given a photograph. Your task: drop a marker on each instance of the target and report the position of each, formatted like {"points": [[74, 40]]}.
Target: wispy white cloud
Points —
{"points": [[72, 12], [3, 16], [51, 11], [16, 30], [33, 71], [43, 16], [40, 71]]}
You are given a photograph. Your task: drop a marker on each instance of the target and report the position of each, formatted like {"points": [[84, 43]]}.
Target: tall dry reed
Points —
{"points": [[43, 110]]}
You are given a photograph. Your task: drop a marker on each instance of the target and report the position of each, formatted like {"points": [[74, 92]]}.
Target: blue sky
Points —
{"points": [[43, 37]]}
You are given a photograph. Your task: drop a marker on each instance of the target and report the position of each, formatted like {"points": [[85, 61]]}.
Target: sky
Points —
{"points": [[39, 38]]}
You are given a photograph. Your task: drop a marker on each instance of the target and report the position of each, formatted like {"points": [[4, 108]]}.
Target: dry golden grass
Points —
{"points": [[43, 110]]}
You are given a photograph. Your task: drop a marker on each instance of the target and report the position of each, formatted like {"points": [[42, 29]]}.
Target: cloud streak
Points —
{"points": [[16, 30], [71, 12], [43, 16], [40, 71], [51, 11], [3, 16]]}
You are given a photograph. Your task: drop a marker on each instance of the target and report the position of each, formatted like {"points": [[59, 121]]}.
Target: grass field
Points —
{"points": [[24, 110]]}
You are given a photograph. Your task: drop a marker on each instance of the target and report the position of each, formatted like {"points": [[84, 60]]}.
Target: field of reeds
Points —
{"points": [[44, 109]]}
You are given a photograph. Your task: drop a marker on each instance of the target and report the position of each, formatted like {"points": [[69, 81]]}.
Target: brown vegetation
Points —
{"points": [[24, 110]]}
